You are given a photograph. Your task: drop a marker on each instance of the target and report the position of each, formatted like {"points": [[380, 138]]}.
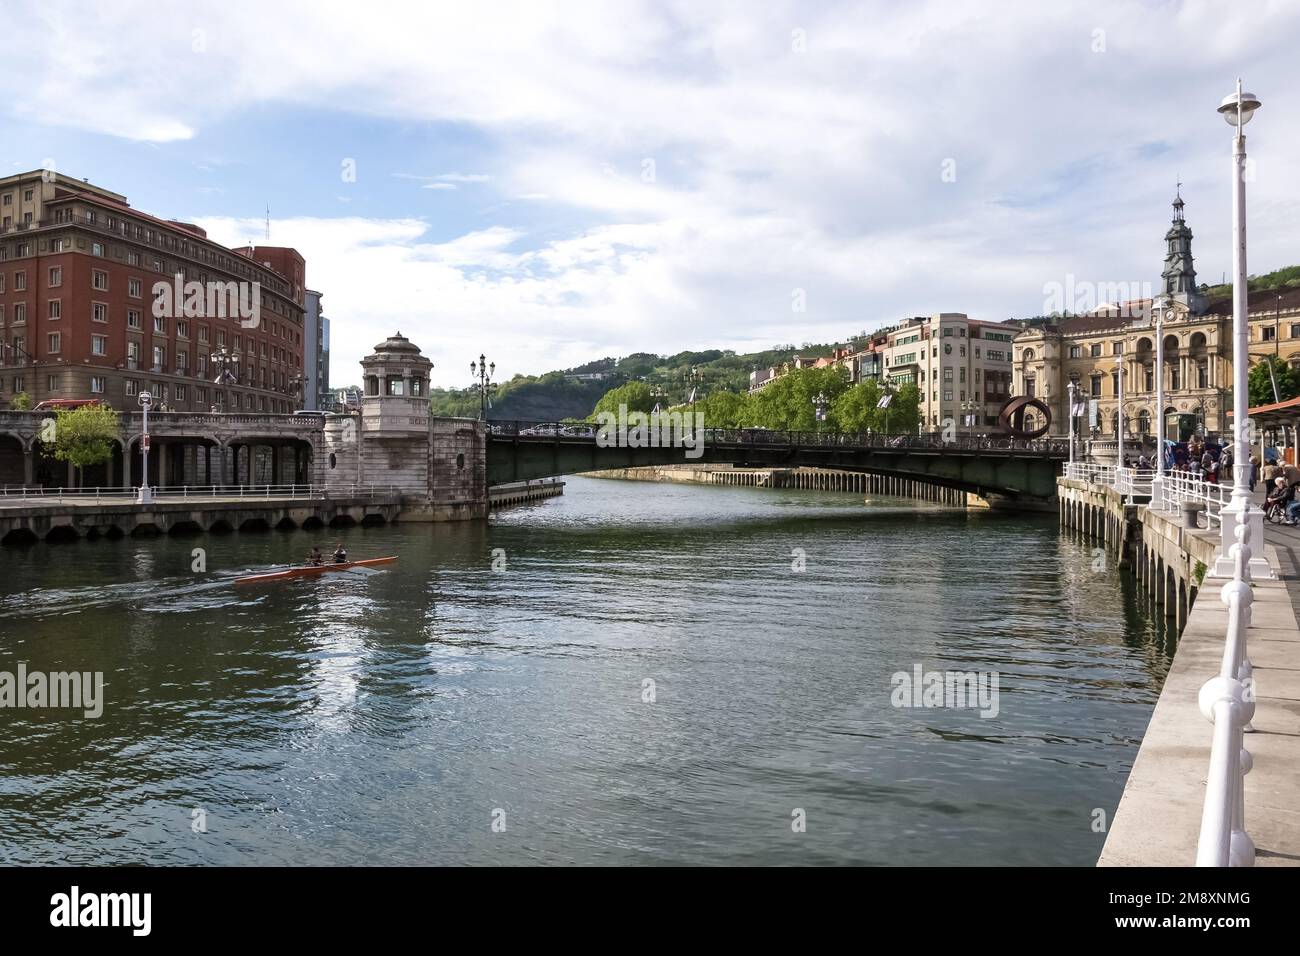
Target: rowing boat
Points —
{"points": [[311, 571]]}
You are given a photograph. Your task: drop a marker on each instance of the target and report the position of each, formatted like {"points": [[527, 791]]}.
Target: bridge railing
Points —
{"points": [[13, 494], [818, 438]]}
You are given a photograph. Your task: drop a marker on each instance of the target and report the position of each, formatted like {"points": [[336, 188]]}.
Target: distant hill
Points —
{"points": [[573, 393]]}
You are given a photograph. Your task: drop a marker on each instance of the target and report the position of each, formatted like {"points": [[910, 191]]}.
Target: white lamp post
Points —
{"points": [[1158, 482], [1072, 387], [1119, 415], [146, 493], [1237, 108]]}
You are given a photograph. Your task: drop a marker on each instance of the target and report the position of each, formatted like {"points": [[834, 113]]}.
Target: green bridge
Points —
{"points": [[1008, 472]]}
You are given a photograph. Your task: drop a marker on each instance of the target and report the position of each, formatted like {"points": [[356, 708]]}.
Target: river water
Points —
{"points": [[650, 673]]}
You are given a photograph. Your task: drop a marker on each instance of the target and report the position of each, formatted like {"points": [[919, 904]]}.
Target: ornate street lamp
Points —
{"points": [[225, 359], [820, 404], [483, 370]]}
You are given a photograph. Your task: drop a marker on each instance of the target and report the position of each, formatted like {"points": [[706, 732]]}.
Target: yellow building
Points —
{"points": [[1090, 349]]}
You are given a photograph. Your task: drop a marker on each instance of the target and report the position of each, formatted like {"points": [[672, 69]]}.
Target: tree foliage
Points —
{"points": [[1260, 384], [21, 402], [84, 435], [637, 396]]}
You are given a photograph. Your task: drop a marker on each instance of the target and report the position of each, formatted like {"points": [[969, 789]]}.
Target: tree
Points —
{"points": [[21, 402], [723, 410], [1260, 384], [635, 395], [85, 435], [787, 404], [855, 410]]}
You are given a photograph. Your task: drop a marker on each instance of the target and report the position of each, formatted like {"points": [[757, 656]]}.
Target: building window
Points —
{"points": [[947, 395], [1268, 333], [96, 248], [99, 311], [1202, 375], [20, 313], [55, 309], [52, 341], [51, 383], [159, 358], [134, 288], [180, 393], [1174, 382], [182, 329], [1096, 350], [99, 345], [99, 280], [1095, 390], [97, 384], [132, 319], [1148, 378], [132, 386], [1030, 386], [20, 281], [159, 325], [133, 355], [133, 258], [56, 275], [1295, 331]]}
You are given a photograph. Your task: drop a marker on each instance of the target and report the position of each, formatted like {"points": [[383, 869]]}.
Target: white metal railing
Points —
{"points": [[1086, 471], [1180, 487], [1228, 701], [1134, 481], [36, 493]]}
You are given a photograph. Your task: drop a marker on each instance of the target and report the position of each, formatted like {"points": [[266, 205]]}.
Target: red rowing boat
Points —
{"points": [[311, 571]]}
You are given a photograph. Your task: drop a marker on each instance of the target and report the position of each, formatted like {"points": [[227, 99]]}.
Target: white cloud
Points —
{"points": [[683, 167]]}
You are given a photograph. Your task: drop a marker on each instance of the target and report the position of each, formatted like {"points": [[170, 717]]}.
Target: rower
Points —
{"points": [[340, 554], [315, 559]]}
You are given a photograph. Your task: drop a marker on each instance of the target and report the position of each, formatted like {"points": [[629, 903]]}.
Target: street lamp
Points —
{"points": [[1237, 109], [1119, 415], [1072, 388], [969, 408], [1158, 482], [225, 358], [146, 493], [483, 369], [694, 378], [820, 402]]}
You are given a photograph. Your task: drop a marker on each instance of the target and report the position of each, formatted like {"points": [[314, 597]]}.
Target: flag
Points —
{"points": [[884, 401]]}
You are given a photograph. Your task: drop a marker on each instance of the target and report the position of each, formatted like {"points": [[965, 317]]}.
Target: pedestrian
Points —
{"points": [[1225, 465], [1254, 471]]}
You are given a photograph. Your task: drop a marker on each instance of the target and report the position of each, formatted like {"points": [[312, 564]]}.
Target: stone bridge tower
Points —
{"points": [[438, 466]]}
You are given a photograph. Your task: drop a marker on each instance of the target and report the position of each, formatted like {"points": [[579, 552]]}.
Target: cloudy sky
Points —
{"points": [[552, 183]]}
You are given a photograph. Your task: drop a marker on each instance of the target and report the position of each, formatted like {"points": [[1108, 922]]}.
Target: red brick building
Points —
{"points": [[81, 315]]}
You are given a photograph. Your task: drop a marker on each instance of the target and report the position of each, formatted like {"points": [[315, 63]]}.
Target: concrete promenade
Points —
{"points": [[1159, 816]]}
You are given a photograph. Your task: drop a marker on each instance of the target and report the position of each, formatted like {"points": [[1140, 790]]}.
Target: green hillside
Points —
{"points": [[558, 395]]}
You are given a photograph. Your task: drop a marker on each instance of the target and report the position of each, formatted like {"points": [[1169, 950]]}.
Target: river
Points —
{"points": [[634, 673]]}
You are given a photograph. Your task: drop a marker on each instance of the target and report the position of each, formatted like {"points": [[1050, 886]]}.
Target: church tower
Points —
{"points": [[1180, 274]]}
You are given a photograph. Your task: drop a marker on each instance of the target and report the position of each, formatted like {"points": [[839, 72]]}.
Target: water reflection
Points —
{"points": [[383, 718]]}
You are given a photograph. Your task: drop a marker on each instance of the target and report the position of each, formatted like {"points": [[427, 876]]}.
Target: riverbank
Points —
{"points": [[1157, 822], [805, 479]]}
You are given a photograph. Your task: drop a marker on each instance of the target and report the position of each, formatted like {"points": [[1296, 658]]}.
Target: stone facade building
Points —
{"points": [[1089, 350]]}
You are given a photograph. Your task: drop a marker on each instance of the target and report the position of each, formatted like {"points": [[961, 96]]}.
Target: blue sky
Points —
{"points": [[552, 183]]}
